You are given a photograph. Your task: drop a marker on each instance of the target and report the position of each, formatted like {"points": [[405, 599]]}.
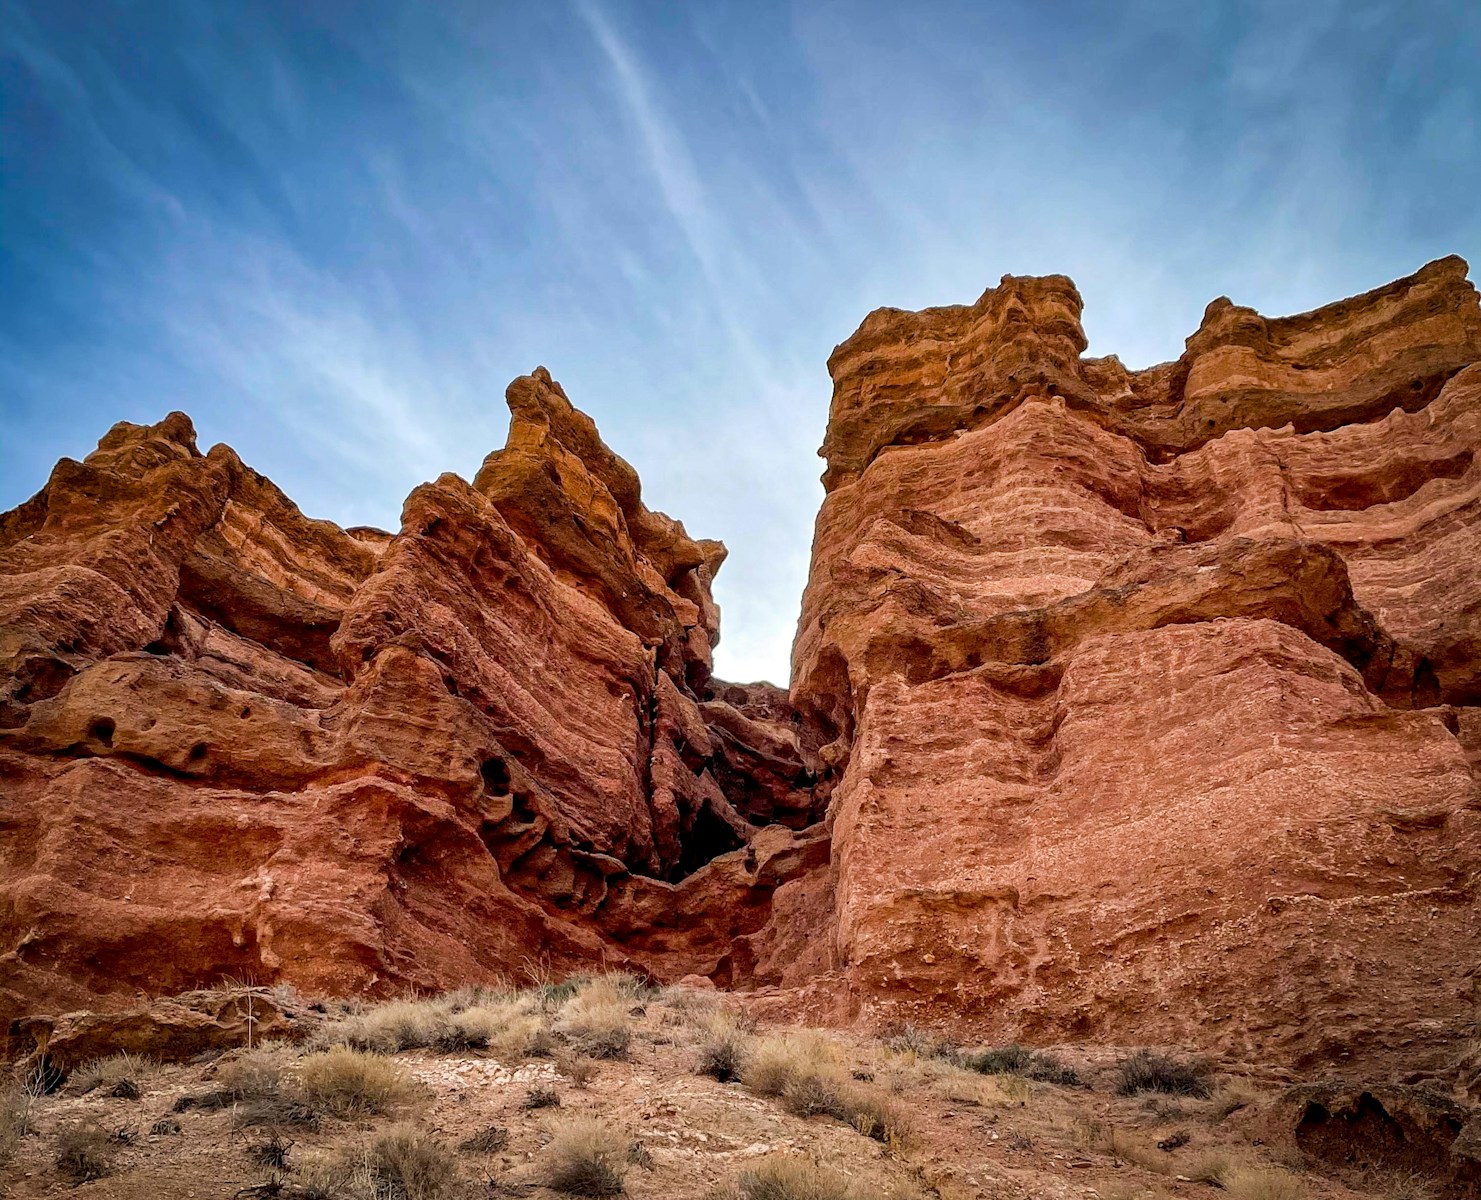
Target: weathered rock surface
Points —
{"points": [[238, 743], [1137, 706], [1152, 695]]}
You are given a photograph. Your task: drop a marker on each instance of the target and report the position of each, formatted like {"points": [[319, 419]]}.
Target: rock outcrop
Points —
{"points": [[1152, 696], [236, 743], [1136, 706]]}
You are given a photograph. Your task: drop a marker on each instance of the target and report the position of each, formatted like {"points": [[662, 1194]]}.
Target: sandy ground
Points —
{"points": [[971, 1135]]}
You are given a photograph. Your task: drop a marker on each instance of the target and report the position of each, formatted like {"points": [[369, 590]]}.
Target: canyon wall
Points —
{"points": [[1152, 696], [239, 743], [1135, 706]]}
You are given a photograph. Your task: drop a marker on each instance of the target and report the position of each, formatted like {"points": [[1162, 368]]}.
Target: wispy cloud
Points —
{"points": [[333, 241]]}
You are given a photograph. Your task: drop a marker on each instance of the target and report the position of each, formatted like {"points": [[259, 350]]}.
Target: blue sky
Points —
{"points": [[333, 231]]}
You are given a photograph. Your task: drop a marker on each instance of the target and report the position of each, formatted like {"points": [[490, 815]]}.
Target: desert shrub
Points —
{"points": [[83, 1153], [1019, 1060], [1145, 1071], [551, 996], [787, 1177], [1002, 1060], [541, 1096], [722, 1055], [906, 1038], [579, 1069], [345, 1082], [584, 1158], [774, 1061], [282, 1111], [406, 1163], [489, 1140], [118, 1075], [596, 1019], [252, 1074], [15, 1120], [812, 1095], [388, 1028], [1263, 1183], [272, 1153]]}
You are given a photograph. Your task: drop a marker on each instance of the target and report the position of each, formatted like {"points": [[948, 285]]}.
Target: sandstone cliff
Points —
{"points": [[235, 742], [1153, 694], [1141, 706]]}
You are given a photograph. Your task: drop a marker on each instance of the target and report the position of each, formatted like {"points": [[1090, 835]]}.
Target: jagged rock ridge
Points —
{"points": [[1142, 706], [235, 742]]}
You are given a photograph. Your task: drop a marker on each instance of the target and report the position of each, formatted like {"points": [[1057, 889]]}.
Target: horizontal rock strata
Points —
{"points": [[1152, 695], [236, 743]]}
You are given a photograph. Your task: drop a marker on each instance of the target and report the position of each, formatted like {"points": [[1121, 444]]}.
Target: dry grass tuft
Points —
{"points": [[83, 1153], [1145, 1071], [253, 1074], [119, 1075], [585, 1158], [597, 1020], [15, 1120], [1263, 1183], [388, 1028], [787, 1177], [776, 1060], [349, 1083], [406, 1163], [579, 1069], [723, 1048]]}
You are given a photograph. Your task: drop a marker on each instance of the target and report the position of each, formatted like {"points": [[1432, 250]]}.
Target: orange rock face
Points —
{"points": [[1142, 706], [238, 743], [1153, 695]]}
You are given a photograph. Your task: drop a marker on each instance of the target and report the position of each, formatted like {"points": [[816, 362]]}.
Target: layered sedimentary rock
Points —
{"points": [[1153, 695], [1136, 706], [238, 743]]}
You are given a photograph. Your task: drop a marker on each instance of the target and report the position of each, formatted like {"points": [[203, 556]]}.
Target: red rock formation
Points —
{"points": [[1142, 706], [235, 742], [1154, 694]]}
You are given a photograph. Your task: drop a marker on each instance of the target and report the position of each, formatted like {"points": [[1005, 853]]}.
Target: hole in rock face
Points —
{"points": [[709, 838], [1426, 685], [101, 730], [495, 776], [197, 752]]}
